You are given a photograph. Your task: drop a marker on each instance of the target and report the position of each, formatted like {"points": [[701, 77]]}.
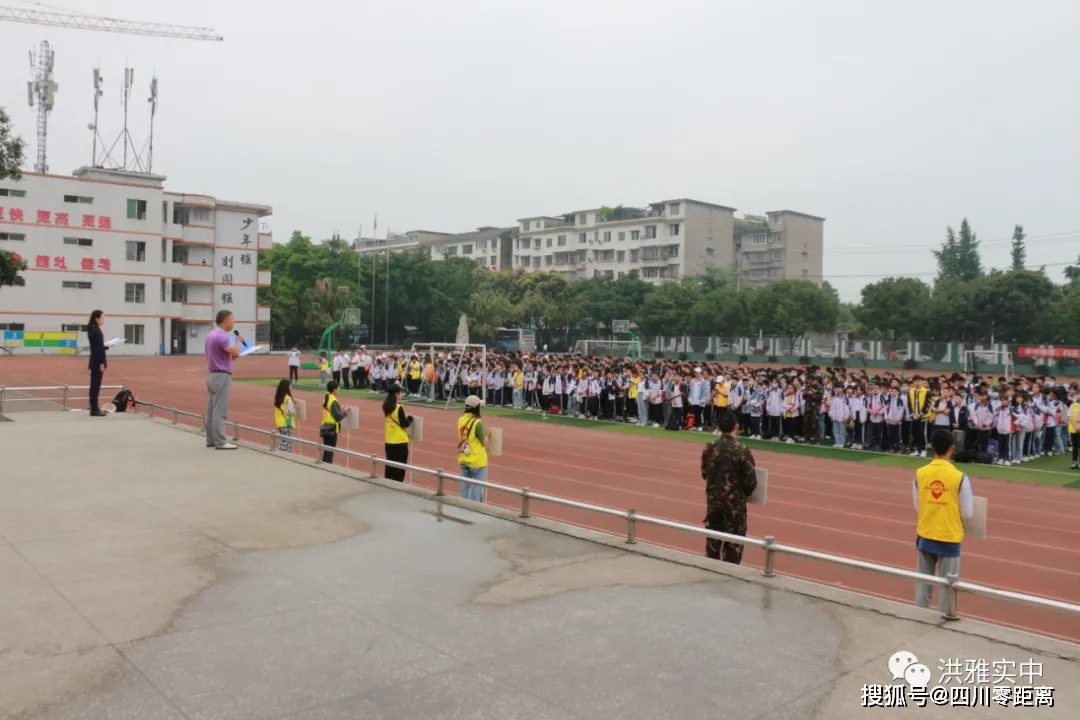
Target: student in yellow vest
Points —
{"points": [[1074, 427], [943, 500], [472, 449], [333, 413], [284, 415], [396, 424], [918, 405], [414, 376]]}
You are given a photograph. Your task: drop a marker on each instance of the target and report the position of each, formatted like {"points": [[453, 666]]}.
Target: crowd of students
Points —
{"points": [[993, 419]]}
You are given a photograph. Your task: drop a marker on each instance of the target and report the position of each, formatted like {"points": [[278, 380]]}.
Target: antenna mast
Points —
{"points": [[98, 92], [42, 89], [129, 80], [153, 100]]}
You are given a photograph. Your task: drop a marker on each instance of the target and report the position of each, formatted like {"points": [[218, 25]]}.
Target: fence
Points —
{"points": [[952, 585], [29, 398]]}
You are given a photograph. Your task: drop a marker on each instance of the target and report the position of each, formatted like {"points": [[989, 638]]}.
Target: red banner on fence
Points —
{"points": [[1048, 353]]}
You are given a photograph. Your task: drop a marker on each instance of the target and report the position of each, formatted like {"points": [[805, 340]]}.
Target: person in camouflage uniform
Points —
{"points": [[812, 397], [727, 466]]}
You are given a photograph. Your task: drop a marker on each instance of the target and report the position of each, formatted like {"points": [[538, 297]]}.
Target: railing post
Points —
{"points": [[273, 441], [440, 474], [768, 569], [1, 398], [631, 526], [525, 502], [235, 432], [374, 467], [950, 597], [65, 401], [175, 416], [152, 406]]}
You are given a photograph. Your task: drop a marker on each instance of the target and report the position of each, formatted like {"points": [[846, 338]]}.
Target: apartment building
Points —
{"points": [[664, 241], [489, 247], [782, 244], [159, 264]]}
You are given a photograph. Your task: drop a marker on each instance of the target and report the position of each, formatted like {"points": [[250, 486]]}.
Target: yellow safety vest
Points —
{"points": [[327, 417], [282, 418], [393, 432], [477, 455], [1074, 415], [324, 366], [722, 394], [631, 393], [414, 370], [939, 502], [916, 398]]}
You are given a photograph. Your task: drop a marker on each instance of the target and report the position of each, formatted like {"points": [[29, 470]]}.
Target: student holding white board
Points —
{"points": [[945, 504]]}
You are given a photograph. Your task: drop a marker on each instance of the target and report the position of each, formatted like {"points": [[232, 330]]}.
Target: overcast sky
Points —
{"points": [[891, 120]]}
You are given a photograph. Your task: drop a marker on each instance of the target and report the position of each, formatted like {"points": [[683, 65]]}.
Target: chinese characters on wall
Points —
{"points": [[237, 272], [58, 219], [59, 262]]}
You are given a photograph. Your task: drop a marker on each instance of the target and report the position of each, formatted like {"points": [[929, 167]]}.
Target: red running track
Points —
{"points": [[851, 509]]}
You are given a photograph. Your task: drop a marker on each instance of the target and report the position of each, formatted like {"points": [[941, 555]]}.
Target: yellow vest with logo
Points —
{"points": [[395, 434], [916, 398], [477, 455], [939, 502], [631, 394], [327, 417], [1074, 415], [414, 370], [721, 394], [281, 417]]}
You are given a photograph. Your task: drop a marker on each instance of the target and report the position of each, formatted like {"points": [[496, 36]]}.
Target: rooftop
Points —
{"points": [[201, 584]]}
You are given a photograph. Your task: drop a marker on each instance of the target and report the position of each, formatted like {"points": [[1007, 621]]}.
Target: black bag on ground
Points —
{"points": [[124, 401], [673, 422]]}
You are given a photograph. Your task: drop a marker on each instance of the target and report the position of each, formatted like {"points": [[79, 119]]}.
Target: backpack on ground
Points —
{"points": [[124, 401]]}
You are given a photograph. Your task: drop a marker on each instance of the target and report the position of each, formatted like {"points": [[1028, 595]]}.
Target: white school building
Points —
{"points": [[159, 264]]}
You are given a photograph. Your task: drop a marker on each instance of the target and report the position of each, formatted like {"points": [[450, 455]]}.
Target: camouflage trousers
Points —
{"points": [[810, 427], [728, 520]]}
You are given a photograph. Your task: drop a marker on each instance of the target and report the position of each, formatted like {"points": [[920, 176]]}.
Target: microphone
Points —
{"points": [[242, 341]]}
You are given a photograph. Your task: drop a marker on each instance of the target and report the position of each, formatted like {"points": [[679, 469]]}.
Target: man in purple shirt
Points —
{"points": [[221, 349]]}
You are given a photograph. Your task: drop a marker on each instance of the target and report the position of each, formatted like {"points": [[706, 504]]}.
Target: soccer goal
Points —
{"points": [[974, 358], [444, 385], [608, 348]]}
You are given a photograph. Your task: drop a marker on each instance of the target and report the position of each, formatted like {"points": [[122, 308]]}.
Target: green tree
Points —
{"points": [[894, 308], [10, 267], [1012, 306], [488, 311], [12, 149], [968, 259], [793, 308], [666, 310], [947, 258], [1019, 250]]}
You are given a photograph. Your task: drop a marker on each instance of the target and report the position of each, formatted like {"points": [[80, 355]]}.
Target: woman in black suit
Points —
{"points": [[98, 362]]}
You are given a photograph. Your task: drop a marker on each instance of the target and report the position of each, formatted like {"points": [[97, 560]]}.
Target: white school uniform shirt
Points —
{"points": [[676, 395], [336, 363], [548, 386], [754, 400], [736, 397], [859, 411], [355, 364], [944, 411], [1003, 420], [980, 416], [656, 393], [1023, 420], [839, 411], [294, 358], [876, 408], [895, 410]]}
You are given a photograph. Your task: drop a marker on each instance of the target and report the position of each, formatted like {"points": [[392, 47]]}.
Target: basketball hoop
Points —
{"points": [[352, 317], [620, 327]]}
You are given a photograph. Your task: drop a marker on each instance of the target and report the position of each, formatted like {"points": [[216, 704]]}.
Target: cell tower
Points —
{"points": [[153, 99], [93, 127], [42, 90]]}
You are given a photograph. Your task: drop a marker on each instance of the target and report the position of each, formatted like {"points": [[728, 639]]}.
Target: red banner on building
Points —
{"points": [[1048, 353]]}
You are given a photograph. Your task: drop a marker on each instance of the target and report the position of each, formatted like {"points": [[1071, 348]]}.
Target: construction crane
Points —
{"points": [[42, 88]]}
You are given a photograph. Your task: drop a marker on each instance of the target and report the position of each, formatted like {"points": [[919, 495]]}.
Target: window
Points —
{"points": [[12, 192], [15, 237], [200, 216], [134, 293], [607, 236], [582, 219], [536, 261], [136, 251], [136, 209], [581, 238], [634, 255], [179, 292], [620, 256], [466, 249], [622, 236], [650, 232], [133, 334], [709, 251], [562, 241], [622, 274], [673, 229], [492, 261], [72, 285], [536, 243], [450, 251], [78, 199], [549, 242], [72, 328], [581, 256], [803, 274], [548, 260], [673, 208], [635, 234], [81, 242], [14, 327], [805, 256]]}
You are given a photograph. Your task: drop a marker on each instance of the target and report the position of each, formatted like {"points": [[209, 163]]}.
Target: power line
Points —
{"points": [[1047, 239], [880, 276]]}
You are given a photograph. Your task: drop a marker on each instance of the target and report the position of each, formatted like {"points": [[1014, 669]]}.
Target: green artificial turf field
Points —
{"points": [[1043, 471]]}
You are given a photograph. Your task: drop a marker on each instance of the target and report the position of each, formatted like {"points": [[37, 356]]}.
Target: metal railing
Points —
{"points": [[10, 395], [952, 585]]}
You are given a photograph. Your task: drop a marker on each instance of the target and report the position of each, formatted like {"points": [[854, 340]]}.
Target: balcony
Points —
{"points": [[263, 315], [266, 241], [198, 235], [172, 270], [264, 278], [198, 273], [197, 312], [172, 309]]}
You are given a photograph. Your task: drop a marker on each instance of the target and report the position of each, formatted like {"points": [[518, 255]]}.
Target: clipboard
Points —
{"points": [[251, 350], [114, 342], [975, 528], [416, 429], [352, 420], [495, 447], [301, 409], [762, 490]]}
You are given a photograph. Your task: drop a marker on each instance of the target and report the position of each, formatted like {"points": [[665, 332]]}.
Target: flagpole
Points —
{"points": [[386, 328], [374, 266]]}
